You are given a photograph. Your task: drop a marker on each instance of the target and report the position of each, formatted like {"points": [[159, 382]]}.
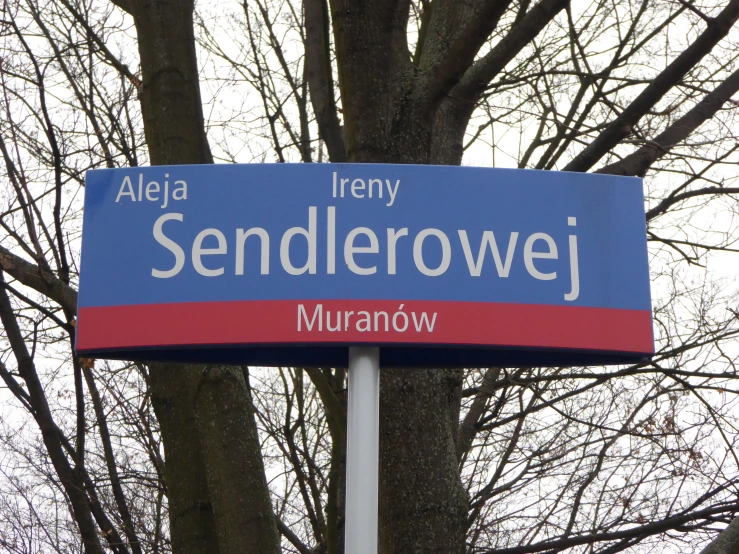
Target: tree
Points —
{"points": [[500, 460]]}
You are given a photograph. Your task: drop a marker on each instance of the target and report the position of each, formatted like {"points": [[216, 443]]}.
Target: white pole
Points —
{"points": [[362, 450]]}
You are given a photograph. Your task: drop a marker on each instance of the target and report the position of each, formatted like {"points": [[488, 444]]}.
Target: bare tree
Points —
{"points": [[109, 457]]}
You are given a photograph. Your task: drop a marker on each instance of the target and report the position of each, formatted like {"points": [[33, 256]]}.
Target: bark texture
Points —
{"points": [[423, 506], [233, 462], [218, 495], [192, 526], [170, 91]]}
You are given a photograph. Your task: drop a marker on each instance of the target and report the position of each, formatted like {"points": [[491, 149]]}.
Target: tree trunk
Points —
{"points": [[423, 506], [389, 106], [192, 528], [218, 495], [233, 463]]}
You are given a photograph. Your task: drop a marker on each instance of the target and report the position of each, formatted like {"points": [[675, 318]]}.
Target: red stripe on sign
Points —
{"points": [[364, 321]]}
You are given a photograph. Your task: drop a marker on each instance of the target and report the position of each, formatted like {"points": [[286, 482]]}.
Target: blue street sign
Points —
{"points": [[290, 263]]}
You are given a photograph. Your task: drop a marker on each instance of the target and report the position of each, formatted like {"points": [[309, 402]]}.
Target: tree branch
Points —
{"points": [[671, 200], [336, 413], [292, 537], [468, 427], [107, 54], [727, 541], [110, 461], [39, 280], [477, 77], [49, 431], [641, 531], [451, 120], [653, 93], [640, 161], [455, 34], [320, 78]]}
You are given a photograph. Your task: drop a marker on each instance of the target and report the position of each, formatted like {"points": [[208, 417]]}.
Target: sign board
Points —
{"points": [[288, 264]]}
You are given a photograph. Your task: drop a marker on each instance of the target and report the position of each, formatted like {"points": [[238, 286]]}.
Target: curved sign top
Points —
{"points": [[287, 264]]}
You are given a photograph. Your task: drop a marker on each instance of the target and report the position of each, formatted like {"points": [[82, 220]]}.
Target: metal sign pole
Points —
{"points": [[362, 450]]}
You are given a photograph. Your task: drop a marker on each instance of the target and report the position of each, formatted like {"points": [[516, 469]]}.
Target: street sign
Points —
{"points": [[288, 264]]}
